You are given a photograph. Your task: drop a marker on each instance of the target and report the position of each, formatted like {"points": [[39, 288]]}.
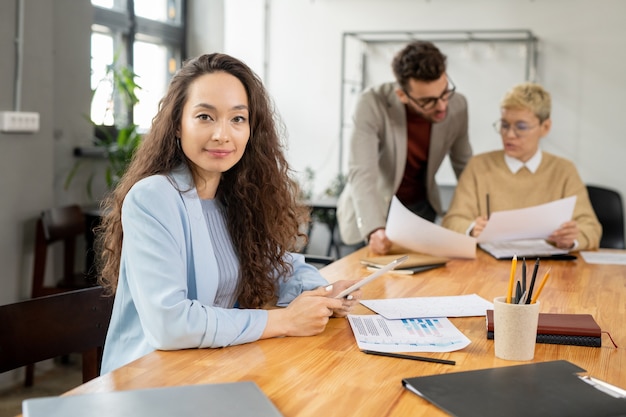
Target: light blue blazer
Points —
{"points": [[169, 276]]}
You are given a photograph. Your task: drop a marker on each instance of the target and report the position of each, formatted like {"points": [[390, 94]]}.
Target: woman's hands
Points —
{"points": [[308, 314], [479, 226], [564, 236], [348, 302], [379, 243]]}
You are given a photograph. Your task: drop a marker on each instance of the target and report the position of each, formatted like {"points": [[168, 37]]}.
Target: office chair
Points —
{"points": [[61, 224], [55, 325], [607, 204]]}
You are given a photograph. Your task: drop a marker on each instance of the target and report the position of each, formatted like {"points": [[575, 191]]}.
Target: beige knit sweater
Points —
{"points": [[554, 179]]}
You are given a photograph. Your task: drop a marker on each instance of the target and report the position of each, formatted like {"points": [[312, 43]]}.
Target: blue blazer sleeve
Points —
{"points": [[305, 277]]}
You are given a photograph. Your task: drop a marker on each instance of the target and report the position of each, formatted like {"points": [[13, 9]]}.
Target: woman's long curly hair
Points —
{"points": [[258, 194]]}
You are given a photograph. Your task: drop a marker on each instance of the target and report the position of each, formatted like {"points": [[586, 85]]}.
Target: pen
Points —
{"points": [[522, 299], [524, 274], [532, 281], [488, 207], [415, 358], [511, 280], [518, 292], [543, 282]]}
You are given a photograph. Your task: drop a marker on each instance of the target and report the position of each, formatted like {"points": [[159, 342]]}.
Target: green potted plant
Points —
{"points": [[115, 143]]}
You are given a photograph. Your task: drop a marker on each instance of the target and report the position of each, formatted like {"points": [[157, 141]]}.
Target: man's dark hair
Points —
{"points": [[420, 60]]}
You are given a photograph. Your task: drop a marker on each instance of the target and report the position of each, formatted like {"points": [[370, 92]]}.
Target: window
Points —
{"points": [[146, 36]]}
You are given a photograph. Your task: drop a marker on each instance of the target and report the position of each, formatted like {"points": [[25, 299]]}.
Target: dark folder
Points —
{"points": [[562, 329], [544, 389]]}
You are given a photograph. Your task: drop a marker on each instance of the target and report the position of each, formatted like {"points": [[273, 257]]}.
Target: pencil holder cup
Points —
{"points": [[515, 329]]}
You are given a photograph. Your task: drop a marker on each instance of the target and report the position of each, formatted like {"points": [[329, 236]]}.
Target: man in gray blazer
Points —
{"points": [[402, 133]]}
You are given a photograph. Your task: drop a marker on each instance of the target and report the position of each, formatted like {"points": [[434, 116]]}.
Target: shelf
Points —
{"points": [[92, 152]]}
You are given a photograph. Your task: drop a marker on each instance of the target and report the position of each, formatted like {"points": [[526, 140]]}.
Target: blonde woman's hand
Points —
{"points": [[565, 235], [479, 225]]}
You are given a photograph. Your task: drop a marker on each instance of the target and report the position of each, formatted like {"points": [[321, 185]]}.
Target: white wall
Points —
{"points": [[582, 62], [205, 27], [244, 32]]}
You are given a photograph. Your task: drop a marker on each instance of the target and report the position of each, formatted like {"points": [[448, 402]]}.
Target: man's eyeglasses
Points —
{"points": [[428, 103], [519, 129]]}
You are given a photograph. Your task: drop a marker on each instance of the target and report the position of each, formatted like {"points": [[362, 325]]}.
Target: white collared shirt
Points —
{"points": [[515, 164]]}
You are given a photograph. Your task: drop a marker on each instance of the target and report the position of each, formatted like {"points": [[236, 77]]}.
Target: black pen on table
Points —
{"points": [[532, 281], [413, 357]]}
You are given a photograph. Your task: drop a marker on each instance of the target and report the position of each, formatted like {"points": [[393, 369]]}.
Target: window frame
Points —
{"points": [[125, 27]]}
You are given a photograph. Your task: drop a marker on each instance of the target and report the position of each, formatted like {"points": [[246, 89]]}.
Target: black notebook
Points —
{"points": [[544, 389]]}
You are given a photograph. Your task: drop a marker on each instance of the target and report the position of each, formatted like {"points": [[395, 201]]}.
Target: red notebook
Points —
{"points": [[562, 329]]}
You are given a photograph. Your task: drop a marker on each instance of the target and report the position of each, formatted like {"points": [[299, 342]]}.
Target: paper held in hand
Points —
{"points": [[537, 222], [408, 230], [522, 232]]}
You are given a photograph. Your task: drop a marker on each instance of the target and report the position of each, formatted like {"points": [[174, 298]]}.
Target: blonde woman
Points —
{"points": [[522, 175]]}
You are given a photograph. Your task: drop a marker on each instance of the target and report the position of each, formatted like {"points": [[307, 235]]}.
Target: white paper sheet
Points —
{"points": [[410, 231], [537, 222], [604, 257], [373, 332], [449, 306]]}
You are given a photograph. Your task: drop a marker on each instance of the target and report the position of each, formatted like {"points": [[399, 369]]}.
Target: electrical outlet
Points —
{"points": [[19, 122]]}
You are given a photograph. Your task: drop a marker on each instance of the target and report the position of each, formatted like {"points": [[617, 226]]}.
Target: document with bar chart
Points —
{"points": [[374, 332]]}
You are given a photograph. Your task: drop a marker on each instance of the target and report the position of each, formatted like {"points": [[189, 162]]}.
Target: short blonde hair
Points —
{"points": [[529, 96]]}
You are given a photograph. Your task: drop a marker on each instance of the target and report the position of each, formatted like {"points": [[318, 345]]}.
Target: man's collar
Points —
{"points": [[515, 164]]}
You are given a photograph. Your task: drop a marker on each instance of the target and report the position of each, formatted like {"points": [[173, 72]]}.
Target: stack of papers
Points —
{"points": [[604, 257], [415, 324], [529, 248], [523, 232], [373, 332], [451, 306]]}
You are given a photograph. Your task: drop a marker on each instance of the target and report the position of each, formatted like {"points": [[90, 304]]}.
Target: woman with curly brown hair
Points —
{"points": [[196, 236]]}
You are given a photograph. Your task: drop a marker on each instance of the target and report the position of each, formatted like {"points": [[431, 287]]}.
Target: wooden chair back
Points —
{"points": [[61, 224], [56, 325]]}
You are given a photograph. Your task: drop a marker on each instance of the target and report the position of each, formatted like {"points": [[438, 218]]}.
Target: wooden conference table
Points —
{"points": [[327, 375]]}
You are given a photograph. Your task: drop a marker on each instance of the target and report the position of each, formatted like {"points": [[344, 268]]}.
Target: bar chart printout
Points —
{"points": [[435, 334]]}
